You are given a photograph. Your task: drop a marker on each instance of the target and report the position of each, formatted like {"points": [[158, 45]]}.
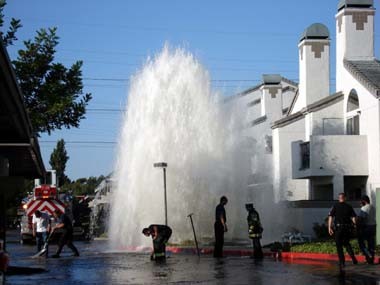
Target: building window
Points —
{"points": [[353, 101], [305, 155], [324, 192], [268, 144], [354, 187], [353, 125], [254, 103]]}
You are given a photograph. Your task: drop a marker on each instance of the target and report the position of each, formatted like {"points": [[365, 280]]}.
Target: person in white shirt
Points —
{"points": [[41, 228], [367, 229]]}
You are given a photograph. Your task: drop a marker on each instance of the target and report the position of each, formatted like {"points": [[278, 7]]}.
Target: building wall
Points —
{"points": [[330, 156], [287, 98], [259, 136], [287, 155], [286, 188], [251, 102], [328, 121], [303, 219], [369, 126]]}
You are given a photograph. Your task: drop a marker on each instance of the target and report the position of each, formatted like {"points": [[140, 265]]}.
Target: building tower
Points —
{"points": [[354, 35]]}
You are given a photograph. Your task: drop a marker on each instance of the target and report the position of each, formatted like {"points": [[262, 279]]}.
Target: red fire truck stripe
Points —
{"points": [[32, 207], [45, 205]]}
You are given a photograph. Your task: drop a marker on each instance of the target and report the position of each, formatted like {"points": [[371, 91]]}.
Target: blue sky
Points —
{"points": [[237, 41]]}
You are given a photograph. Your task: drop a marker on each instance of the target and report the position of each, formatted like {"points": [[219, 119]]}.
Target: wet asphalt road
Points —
{"points": [[96, 266]]}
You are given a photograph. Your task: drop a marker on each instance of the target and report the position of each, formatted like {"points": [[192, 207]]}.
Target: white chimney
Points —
{"points": [[354, 34], [271, 97], [314, 65]]}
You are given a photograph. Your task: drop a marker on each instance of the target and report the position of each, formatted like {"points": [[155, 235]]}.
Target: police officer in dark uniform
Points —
{"points": [[255, 231], [160, 236], [220, 227], [345, 221]]}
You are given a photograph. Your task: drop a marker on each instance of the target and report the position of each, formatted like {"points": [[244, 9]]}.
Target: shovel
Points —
{"points": [[195, 236], [45, 247]]}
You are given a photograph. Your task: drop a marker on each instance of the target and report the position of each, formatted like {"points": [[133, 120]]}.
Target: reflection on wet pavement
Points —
{"points": [[96, 267]]}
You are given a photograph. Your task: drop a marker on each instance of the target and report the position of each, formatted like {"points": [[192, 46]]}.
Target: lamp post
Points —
{"points": [[163, 165]]}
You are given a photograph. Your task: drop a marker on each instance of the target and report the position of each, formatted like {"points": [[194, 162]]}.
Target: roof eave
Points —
{"points": [[332, 99], [374, 90]]}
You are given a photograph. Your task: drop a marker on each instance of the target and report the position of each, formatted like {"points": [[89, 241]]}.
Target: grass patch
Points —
{"points": [[325, 247]]}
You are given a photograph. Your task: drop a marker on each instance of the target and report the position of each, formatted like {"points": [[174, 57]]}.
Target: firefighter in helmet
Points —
{"points": [[255, 231]]}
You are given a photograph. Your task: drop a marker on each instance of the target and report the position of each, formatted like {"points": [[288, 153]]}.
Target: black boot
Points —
{"points": [[369, 259]]}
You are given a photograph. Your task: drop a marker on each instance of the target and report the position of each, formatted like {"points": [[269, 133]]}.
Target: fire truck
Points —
{"points": [[44, 198]]}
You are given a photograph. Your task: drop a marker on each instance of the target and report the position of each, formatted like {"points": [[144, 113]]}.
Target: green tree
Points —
{"points": [[14, 25], [58, 160], [53, 93], [83, 186]]}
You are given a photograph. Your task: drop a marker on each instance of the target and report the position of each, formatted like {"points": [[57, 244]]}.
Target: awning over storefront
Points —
{"points": [[19, 148]]}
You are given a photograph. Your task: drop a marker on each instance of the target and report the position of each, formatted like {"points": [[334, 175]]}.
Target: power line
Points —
{"points": [[82, 142], [105, 110], [166, 29], [127, 79], [212, 80], [161, 29], [209, 67], [145, 55]]}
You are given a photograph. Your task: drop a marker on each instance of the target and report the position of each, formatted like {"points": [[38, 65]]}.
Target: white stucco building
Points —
{"points": [[329, 143], [321, 143], [263, 105]]}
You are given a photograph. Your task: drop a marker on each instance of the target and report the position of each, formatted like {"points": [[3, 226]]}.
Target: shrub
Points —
{"points": [[321, 231]]}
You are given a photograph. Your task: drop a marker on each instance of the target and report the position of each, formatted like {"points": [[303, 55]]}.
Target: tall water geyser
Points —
{"points": [[174, 116]]}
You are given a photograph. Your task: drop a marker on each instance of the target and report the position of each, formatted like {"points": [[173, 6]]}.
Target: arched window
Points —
{"points": [[353, 119], [353, 101]]}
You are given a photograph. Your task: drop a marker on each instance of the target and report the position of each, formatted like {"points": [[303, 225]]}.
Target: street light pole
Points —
{"points": [[166, 201], [164, 165]]}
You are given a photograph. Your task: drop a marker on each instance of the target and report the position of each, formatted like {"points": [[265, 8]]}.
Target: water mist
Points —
{"points": [[174, 116]]}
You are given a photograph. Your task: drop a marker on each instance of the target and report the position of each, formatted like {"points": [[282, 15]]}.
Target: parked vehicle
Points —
{"points": [[45, 198]]}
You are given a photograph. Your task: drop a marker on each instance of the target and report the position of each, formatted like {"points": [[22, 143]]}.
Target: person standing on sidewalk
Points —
{"points": [[220, 227], [255, 231], [344, 220], [65, 224], [41, 227], [367, 229]]}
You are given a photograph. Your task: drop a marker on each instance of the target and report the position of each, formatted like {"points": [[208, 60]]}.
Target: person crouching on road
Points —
{"points": [[160, 236], [345, 220], [65, 224], [41, 227], [367, 229], [255, 231]]}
